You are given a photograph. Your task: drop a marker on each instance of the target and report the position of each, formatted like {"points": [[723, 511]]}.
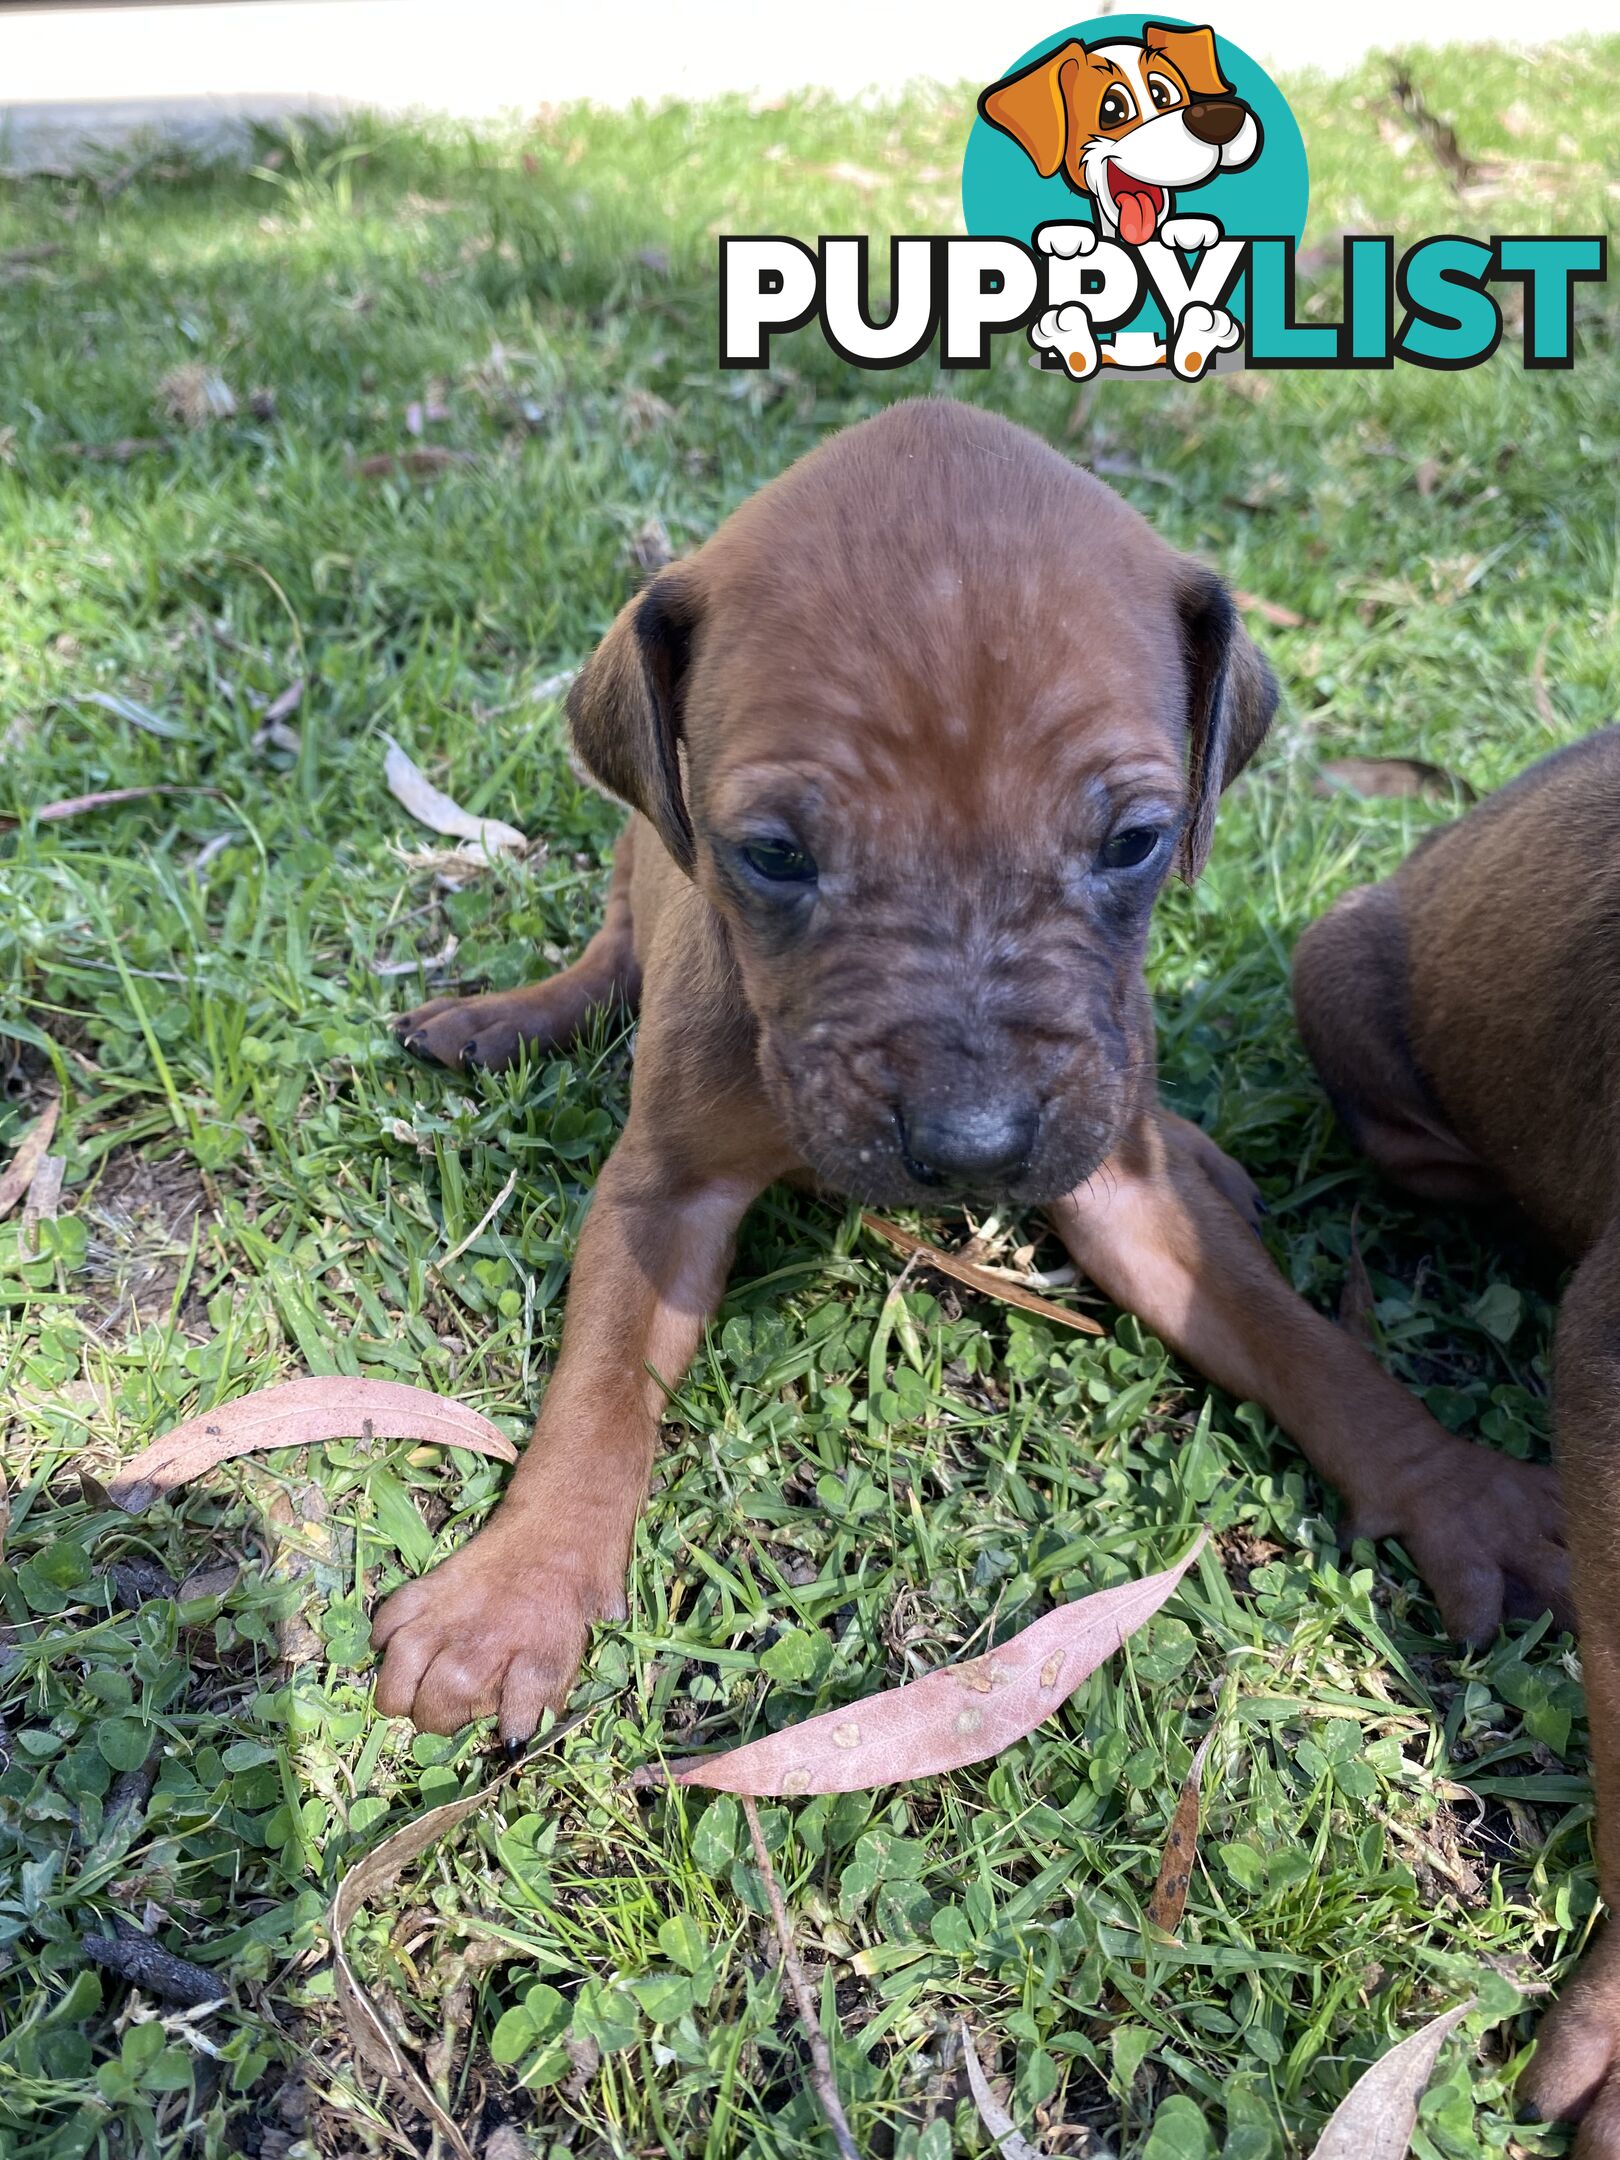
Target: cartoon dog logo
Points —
{"points": [[1130, 124]]}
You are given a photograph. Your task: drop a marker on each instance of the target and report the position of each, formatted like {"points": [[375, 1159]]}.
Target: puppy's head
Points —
{"points": [[1127, 122], [929, 722]]}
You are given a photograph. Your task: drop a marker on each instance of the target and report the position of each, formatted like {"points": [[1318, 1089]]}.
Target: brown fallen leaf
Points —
{"points": [[1010, 2140], [973, 1277], [1376, 2117], [1169, 1900], [302, 1413], [72, 806], [378, 1870], [1271, 611], [955, 1715], [29, 1152], [423, 462], [1390, 776], [430, 806]]}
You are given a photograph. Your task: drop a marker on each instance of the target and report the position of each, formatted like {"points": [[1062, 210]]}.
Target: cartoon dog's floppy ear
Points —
{"points": [[626, 702], [1033, 105], [1192, 53], [1231, 697]]}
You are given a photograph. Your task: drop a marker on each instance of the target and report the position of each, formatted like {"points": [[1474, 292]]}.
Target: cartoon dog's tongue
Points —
{"points": [[1137, 202]]}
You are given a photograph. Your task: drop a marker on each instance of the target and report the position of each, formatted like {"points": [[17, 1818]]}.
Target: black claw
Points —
{"points": [[512, 1749]]}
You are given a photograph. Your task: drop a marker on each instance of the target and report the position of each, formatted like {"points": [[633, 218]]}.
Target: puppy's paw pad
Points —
{"points": [[499, 1628]]}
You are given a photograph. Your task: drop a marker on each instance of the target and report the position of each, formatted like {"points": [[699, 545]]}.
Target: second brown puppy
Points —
{"points": [[1465, 1016], [912, 743]]}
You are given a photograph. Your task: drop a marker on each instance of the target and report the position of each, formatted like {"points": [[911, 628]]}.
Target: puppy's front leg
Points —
{"points": [[501, 1625], [1157, 1231]]}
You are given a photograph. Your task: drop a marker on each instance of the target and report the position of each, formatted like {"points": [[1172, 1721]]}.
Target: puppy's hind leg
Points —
{"points": [[1575, 2071], [1352, 999], [489, 1030]]}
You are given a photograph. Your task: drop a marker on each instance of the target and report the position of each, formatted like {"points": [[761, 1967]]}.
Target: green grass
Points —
{"points": [[258, 1184]]}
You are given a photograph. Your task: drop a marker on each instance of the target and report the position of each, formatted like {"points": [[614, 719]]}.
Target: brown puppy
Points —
{"points": [[912, 743], [1466, 1019]]}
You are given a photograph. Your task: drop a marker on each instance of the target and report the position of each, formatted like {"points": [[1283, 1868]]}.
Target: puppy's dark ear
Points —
{"points": [[1231, 696], [626, 703]]}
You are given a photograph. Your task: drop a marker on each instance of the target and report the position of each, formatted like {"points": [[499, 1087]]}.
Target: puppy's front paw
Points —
{"points": [[1067, 332], [498, 1629], [465, 1031], [1485, 1531], [1191, 235], [1229, 1178], [1066, 240], [1574, 2075], [1201, 333]]}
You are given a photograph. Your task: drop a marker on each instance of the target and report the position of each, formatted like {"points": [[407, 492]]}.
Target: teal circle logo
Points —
{"points": [[1059, 109], [1144, 130]]}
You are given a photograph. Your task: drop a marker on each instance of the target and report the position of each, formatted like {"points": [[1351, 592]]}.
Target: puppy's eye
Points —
{"points": [[1163, 92], [1116, 109], [779, 862], [1130, 848]]}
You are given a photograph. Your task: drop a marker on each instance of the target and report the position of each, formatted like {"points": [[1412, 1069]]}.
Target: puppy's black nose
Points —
{"points": [[1216, 120], [973, 1145]]}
